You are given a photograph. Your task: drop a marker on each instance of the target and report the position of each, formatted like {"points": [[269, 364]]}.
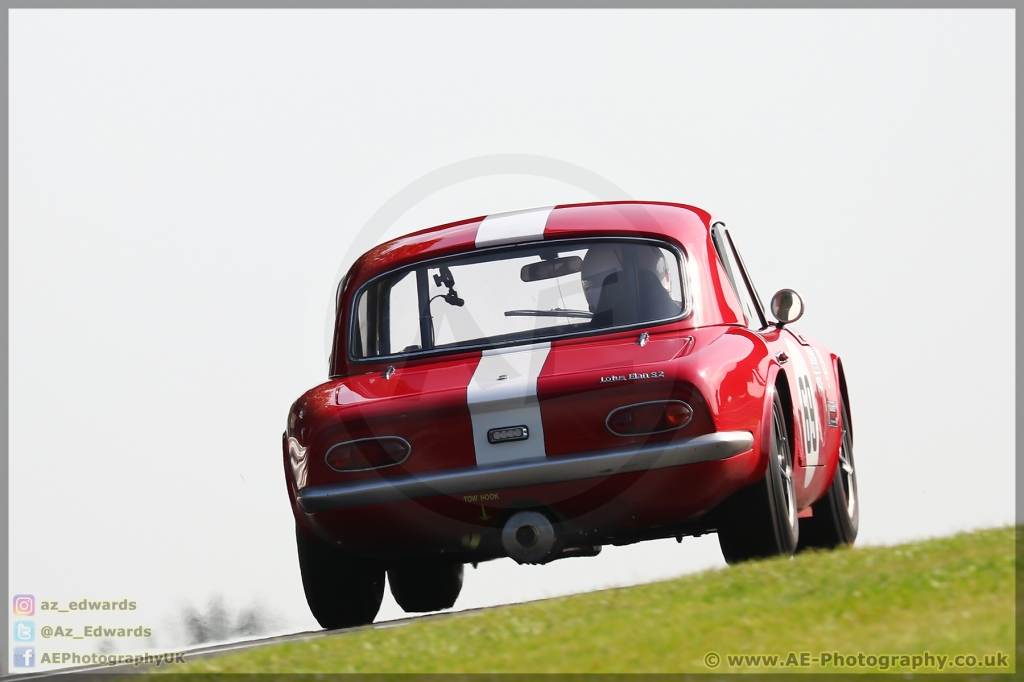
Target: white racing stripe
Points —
{"points": [[495, 403], [516, 226]]}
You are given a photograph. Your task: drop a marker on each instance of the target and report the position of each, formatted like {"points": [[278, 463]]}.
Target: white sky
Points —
{"points": [[185, 185]]}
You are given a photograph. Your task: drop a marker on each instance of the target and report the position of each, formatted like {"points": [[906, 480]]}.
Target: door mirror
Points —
{"points": [[787, 306]]}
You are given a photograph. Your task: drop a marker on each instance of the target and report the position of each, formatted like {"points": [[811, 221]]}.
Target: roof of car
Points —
{"points": [[678, 222]]}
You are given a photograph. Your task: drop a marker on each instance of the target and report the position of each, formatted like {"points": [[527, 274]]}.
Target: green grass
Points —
{"points": [[946, 596]]}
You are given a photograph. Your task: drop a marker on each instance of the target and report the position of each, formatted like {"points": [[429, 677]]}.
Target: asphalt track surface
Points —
{"points": [[97, 672]]}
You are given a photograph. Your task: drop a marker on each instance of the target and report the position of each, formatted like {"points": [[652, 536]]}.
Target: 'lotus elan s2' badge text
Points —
{"points": [[633, 376]]}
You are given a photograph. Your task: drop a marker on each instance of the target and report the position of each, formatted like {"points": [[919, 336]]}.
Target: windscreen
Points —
{"points": [[518, 295]]}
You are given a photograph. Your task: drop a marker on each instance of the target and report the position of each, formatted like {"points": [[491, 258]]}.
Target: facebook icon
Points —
{"points": [[24, 657]]}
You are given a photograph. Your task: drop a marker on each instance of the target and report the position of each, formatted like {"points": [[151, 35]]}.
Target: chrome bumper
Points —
{"points": [[521, 473]]}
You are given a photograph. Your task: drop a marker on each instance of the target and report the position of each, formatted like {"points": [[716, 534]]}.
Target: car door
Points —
{"points": [[813, 393]]}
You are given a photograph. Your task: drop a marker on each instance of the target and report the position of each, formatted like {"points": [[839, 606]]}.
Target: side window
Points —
{"points": [[738, 276], [404, 323], [758, 301], [392, 305]]}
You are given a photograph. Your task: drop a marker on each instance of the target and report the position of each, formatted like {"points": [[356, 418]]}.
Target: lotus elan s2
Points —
{"points": [[540, 383]]}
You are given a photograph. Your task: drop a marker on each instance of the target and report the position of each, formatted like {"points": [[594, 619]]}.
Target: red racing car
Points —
{"points": [[540, 383]]}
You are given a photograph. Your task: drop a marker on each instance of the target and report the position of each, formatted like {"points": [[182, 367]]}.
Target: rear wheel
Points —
{"points": [[342, 590], [836, 516], [761, 520], [426, 586]]}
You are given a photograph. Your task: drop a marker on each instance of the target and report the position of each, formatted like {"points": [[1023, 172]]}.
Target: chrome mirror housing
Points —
{"points": [[787, 306]]}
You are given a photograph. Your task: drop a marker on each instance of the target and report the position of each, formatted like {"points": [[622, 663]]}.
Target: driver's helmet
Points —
{"points": [[653, 259]]}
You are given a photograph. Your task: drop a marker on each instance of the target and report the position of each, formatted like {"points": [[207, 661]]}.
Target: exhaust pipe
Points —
{"points": [[529, 537]]}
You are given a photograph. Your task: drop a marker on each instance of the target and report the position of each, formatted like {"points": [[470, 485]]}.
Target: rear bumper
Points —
{"points": [[523, 473]]}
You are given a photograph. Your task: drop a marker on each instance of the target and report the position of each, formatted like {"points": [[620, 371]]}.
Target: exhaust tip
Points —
{"points": [[528, 537]]}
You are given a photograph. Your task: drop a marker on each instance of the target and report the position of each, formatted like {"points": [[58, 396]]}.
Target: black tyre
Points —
{"points": [[760, 520], [342, 590], [836, 516], [425, 586]]}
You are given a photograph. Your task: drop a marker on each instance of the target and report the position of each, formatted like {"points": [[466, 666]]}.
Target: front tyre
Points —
{"points": [[836, 516], [342, 590], [425, 586], [761, 520]]}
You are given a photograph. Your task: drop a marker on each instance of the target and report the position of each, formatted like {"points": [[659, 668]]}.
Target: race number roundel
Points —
{"points": [[807, 414]]}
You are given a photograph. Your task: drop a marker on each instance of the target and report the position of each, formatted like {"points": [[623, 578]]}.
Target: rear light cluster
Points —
{"points": [[646, 418], [368, 453]]}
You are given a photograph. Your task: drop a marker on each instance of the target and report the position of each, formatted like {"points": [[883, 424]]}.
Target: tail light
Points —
{"points": [[368, 453], [646, 418]]}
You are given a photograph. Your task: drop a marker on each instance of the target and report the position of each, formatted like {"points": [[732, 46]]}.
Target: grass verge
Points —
{"points": [[946, 597]]}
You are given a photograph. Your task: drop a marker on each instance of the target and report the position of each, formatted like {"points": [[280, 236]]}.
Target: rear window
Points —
{"points": [[518, 295]]}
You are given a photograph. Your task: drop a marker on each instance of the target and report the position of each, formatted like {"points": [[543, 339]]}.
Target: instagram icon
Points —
{"points": [[24, 605]]}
